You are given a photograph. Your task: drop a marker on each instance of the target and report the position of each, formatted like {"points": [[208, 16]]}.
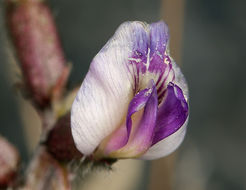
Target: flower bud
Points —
{"points": [[38, 48], [60, 141], [9, 159]]}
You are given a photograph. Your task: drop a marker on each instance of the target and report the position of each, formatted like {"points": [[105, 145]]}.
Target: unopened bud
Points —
{"points": [[38, 48], [9, 159], [60, 141]]}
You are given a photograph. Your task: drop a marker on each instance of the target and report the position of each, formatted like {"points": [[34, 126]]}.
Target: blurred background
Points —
{"points": [[207, 40]]}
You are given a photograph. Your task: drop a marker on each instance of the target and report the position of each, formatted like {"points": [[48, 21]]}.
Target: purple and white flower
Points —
{"points": [[133, 101]]}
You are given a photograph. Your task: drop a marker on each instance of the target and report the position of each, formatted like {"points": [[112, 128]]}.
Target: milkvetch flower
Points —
{"points": [[133, 101]]}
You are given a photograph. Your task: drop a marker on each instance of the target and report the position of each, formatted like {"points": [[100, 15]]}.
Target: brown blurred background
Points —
{"points": [[207, 39]]}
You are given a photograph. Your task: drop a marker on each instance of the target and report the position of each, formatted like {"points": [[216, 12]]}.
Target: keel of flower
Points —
{"points": [[133, 138], [133, 101]]}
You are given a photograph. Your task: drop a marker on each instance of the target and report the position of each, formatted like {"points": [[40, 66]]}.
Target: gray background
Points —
{"points": [[213, 57]]}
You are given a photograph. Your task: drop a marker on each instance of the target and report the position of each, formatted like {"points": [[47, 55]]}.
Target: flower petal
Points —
{"points": [[139, 131], [159, 36], [172, 114], [158, 63], [120, 137], [179, 80], [142, 138], [167, 145], [107, 89]]}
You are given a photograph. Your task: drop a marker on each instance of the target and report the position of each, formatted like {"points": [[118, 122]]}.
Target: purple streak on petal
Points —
{"points": [[156, 41], [141, 42], [160, 62], [172, 113], [165, 76], [161, 96], [149, 53]]}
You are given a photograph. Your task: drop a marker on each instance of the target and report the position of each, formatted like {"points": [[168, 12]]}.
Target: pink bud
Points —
{"points": [[9, 159], [38, 48]]}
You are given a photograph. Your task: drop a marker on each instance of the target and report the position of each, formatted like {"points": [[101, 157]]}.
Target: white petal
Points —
{"points": [[167, 145], [180, 80], [102, 101]]}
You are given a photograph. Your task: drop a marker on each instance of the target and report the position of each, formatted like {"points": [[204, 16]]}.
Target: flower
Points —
{"points": [[133, 101]]}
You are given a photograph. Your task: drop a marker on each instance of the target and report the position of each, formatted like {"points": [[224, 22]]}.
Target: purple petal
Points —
{"points": [[138, 58], [158, 44], [137, 133], [150, 55], [172, 113], [140, 46], [160, 62], [137, 103], [159, 36], [143, 136]]}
